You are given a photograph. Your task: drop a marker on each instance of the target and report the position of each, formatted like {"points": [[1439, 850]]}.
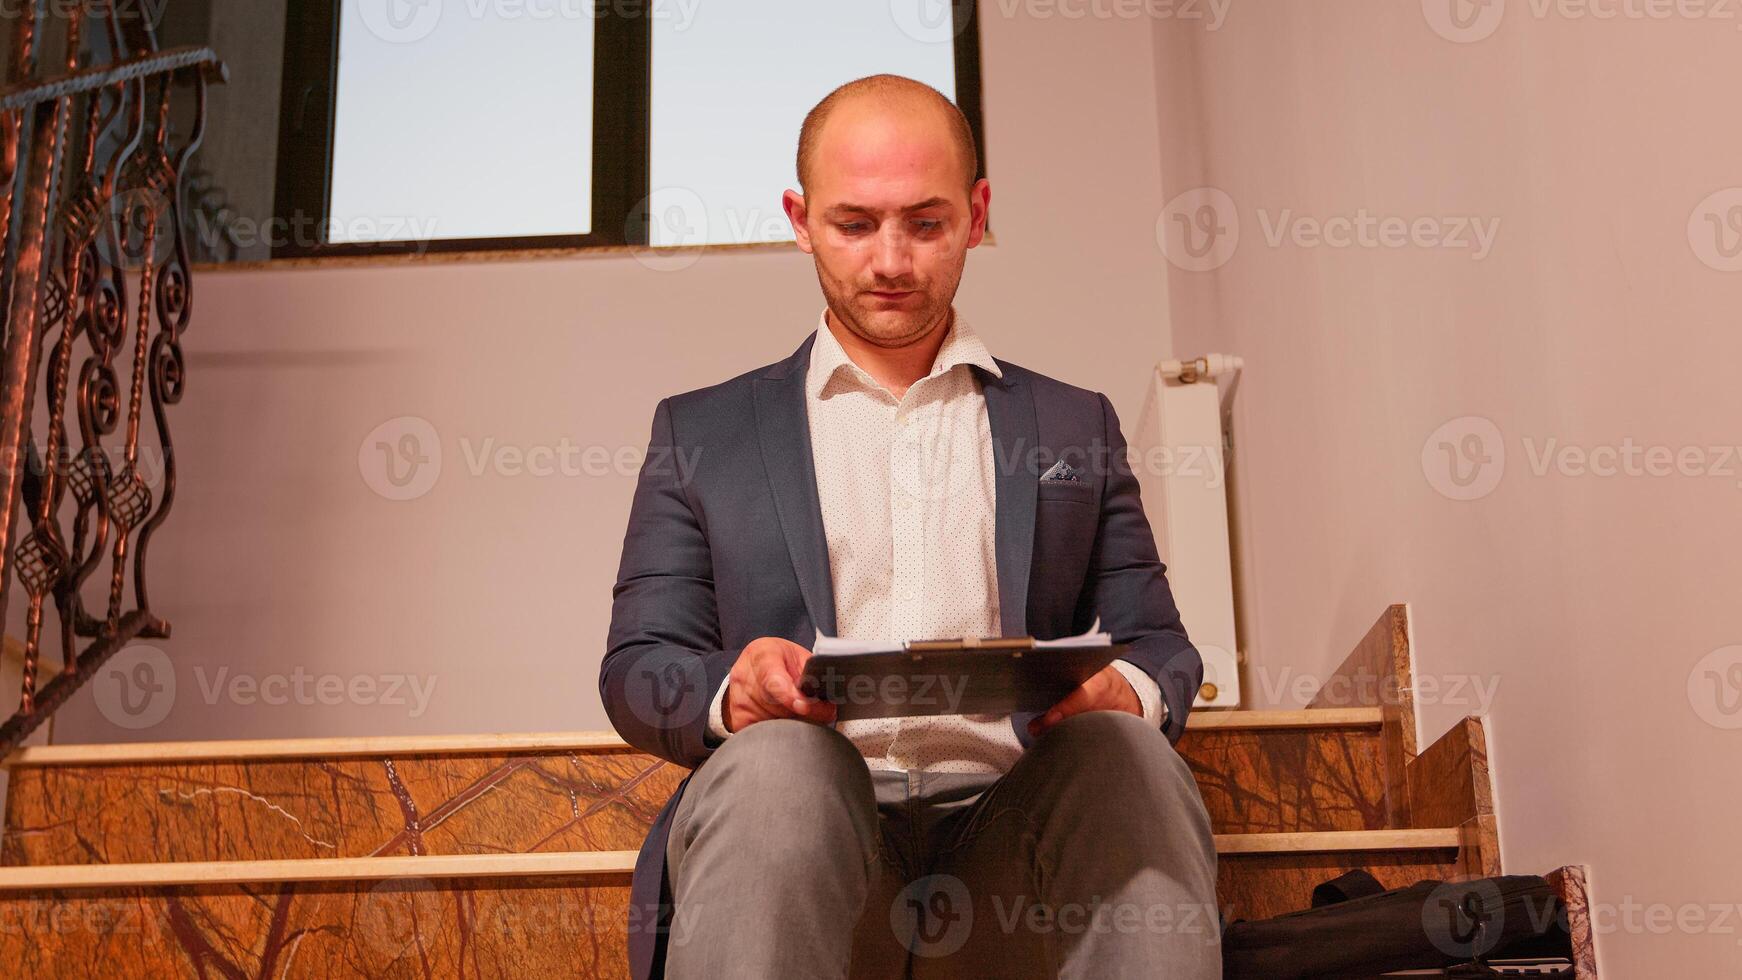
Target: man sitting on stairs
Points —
{"points": [[886, 481]]}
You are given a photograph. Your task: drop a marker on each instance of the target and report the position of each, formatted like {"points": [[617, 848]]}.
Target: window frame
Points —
{"points": [[622, 135]]}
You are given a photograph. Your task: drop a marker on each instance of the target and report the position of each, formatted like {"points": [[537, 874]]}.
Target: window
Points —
{"points": [[437, 125]]}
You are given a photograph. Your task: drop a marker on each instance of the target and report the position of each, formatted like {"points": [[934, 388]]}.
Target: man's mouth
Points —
{"points": [[893, 297]]}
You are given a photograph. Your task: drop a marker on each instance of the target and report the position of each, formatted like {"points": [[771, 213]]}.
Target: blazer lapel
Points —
{"points": [[783, 424], [1010, 415]]}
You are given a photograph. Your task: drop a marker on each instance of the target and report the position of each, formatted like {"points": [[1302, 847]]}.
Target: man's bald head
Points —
{"points": [[893, 93]]}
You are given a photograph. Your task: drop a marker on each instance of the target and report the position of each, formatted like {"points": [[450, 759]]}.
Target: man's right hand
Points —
{"points": [[764, 685]]}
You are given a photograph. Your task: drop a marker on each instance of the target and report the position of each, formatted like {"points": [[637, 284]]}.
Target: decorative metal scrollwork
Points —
{"points": [[93, 174]]}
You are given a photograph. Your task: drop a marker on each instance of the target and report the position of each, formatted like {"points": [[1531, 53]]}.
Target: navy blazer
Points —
{"points": [[725, 544]]}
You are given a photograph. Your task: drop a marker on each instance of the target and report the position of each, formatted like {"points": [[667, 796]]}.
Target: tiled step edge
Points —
{"points": [[582, 864], [390, 745]]}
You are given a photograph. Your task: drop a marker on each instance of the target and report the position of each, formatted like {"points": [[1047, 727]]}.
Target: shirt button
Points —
{"points": [[903, 503]]}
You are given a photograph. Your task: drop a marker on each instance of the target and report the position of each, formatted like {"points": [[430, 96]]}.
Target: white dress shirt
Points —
{"points": [[907, 488]]}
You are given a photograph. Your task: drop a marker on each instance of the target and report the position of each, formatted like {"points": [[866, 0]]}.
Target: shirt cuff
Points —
{"points": [[717, 715], [1148, 691]]}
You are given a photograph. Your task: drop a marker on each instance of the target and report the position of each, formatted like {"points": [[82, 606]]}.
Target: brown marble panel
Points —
{"points": [[1379, 673], [1253, 781], [534, 927], [301, 808], [1448, 784], [1569, 884], [465, 927], [1286, 780], [1258, 886]]}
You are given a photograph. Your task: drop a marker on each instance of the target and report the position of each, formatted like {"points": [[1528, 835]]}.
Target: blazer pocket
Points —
{"points": [[1075, 490]]}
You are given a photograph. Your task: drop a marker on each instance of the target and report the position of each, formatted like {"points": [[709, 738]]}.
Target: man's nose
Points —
{"points": [[892, 258]]}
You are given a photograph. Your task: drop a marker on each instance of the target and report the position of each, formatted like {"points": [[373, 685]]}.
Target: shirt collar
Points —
{"points": [[962, 345]]}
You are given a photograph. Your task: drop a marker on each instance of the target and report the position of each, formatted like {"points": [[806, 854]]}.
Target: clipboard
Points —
{"points": [[969, 676]]}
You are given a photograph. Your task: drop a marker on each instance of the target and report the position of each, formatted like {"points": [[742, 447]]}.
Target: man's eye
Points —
{"points": [[929, 225], [853, 228]]}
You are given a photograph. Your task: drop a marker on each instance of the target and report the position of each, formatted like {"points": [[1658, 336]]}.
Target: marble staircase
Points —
{"points": [[510, 854]]}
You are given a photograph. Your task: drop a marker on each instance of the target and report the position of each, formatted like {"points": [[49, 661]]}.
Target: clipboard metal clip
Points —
{"points": [[1014, 643]]}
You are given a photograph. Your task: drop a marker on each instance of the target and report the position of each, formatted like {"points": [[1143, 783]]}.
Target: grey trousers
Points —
{"points": [[1091, 857]]}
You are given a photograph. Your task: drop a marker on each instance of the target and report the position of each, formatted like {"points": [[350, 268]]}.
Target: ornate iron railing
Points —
{"points": [[91, 172]]}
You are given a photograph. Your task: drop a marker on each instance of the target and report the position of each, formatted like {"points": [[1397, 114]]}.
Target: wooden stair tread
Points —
{"points": [[571, 863], [370, 745]]}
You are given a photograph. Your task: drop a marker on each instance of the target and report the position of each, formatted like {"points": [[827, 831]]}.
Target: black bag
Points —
{"points": [[1357, 930]]}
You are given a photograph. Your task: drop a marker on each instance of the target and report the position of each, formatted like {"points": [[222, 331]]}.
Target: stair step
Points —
{"points": [[584, 864], [1259, 771], [545, 914], [218, 750]]}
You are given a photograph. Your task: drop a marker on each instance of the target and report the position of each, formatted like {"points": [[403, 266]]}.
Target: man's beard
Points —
{"points": [[895, 326]]}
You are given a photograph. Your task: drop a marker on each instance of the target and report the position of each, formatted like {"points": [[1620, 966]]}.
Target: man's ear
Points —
{"points": [[980, 209], [796, 211]]}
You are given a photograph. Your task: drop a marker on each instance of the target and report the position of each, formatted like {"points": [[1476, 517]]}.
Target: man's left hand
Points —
{"points": [[1106, 691]]}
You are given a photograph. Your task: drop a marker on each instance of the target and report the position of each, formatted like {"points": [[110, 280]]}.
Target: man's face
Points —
{"points": [[888, 220]]}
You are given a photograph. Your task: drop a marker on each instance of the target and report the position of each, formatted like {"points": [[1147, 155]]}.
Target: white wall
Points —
{"points": [[1582, 603], [279, 556]]}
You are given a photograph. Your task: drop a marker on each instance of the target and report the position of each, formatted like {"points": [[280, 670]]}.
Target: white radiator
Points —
{"points": [[1181, 462]]}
